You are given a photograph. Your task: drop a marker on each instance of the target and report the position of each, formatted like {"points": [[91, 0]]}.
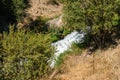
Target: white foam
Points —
{"points": [[63, 45]]}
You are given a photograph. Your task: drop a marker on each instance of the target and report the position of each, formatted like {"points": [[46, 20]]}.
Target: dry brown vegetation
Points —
{"points": [[43, 8], [102, 65], [46, 9]]}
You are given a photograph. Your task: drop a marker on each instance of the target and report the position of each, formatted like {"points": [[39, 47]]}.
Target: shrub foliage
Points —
{"points": [[24, 55], [101, 15]]}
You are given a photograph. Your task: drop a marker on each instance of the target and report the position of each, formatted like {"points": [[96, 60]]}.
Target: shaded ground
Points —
{"points": [[3, 24], [103, 65]]}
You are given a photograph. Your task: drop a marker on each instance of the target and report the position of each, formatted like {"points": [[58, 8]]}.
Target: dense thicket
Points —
{"points": [[102, 16], [24, 55]]}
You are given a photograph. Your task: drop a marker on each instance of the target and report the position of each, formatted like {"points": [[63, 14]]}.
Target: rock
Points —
{"points": [[57, 22]]}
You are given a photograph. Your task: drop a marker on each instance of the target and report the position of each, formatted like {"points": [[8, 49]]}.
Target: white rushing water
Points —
{"points": [[63, 45]]}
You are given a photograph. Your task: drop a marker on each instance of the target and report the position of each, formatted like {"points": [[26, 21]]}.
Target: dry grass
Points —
{"points": [[103, 65], [41, 8]]}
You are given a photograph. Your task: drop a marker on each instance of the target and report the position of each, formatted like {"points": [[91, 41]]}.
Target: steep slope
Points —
{"points": [[44, 8], [103, 65]]}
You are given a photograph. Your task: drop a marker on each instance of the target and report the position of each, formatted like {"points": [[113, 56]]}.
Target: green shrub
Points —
{"points": [[58, 33], [25, 55], [101, 15]]}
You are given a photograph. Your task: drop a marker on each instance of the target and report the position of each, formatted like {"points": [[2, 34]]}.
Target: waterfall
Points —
{"points": [[63, 45]]}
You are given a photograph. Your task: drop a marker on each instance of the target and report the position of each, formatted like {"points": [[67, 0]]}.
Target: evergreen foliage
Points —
{"points": [[102, 16], [24, 55]]}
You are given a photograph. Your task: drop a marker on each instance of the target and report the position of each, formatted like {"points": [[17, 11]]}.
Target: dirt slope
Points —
{"points": [[43, 8], [103, 65]]}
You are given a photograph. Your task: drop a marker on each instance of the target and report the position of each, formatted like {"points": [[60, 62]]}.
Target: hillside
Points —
{"points": [[59, 40], [102, 65], [43, 8]]}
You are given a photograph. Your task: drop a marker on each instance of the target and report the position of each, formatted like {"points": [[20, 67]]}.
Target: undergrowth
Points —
{"points": [[24, 55]]}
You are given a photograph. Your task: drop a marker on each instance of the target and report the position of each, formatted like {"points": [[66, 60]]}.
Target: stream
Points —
{"points": [[65, 44]]}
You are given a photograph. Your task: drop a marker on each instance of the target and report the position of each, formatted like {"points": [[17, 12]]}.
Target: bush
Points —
{"points": [[58, 33], [101, 15], [24, 55]]}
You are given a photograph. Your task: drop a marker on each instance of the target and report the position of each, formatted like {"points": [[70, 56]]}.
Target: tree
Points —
{"points": [[101, 15]]}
